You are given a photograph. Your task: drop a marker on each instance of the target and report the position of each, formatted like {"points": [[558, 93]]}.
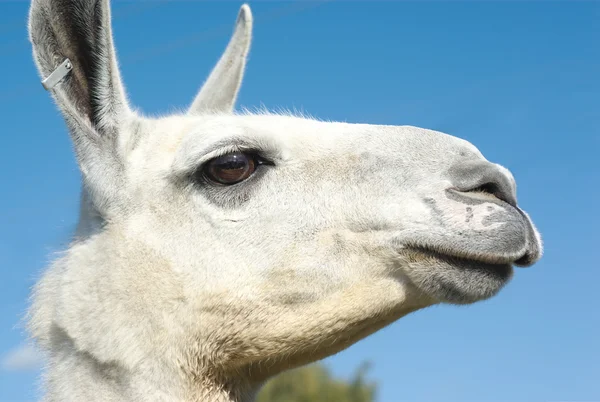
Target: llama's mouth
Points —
{"points": [[512, 241], [465, 257], [455, 279]]}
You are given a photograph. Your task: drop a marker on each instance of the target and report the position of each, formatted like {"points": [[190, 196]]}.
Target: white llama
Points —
{"points": [[216, 250]]}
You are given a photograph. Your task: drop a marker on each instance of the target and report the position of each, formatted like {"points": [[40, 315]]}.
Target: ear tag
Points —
{"points": [[57, 75]]}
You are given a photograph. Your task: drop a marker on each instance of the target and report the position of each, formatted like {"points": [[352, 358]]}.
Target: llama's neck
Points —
{"points": [[75, 376], [103, 344]]}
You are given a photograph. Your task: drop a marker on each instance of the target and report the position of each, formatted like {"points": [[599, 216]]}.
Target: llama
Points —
{"points": [[216, 249]]}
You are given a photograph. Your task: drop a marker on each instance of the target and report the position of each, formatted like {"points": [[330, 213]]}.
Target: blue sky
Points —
{"points": [[520, 80]]}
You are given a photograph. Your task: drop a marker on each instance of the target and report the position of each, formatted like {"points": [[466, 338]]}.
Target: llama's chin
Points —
{"points": [[455, 280]]}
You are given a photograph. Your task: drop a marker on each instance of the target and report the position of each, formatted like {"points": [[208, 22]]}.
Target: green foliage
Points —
{"points": [[315, 383]]}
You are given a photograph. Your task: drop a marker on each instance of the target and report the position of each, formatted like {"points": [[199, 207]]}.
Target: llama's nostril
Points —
{"points": [[485, 177]]}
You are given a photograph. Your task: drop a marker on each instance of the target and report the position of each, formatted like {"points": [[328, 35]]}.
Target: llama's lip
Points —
{"points": [[503, 236], [488, 259]]}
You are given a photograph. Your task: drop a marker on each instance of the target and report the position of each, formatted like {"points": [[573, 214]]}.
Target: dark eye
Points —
{"points": [[231, 168]]}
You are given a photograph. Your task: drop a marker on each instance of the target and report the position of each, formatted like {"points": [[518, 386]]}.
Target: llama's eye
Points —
{"points": [[231, 168]]}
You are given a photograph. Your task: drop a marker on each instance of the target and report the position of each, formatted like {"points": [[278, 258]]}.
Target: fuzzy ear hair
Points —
{"points": [[90, 96], [219, 92]]}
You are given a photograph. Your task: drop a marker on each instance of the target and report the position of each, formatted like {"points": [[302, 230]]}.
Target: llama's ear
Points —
{"points": [[73, 50], [219, 92], [90, 95]]}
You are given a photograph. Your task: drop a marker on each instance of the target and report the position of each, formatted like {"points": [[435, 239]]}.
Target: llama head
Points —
{"points": [[258, 242]]}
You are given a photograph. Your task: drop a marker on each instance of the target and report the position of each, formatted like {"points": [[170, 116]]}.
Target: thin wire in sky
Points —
{"points": [[271, 15], [130, 9], [122, 12], [158, 50]]}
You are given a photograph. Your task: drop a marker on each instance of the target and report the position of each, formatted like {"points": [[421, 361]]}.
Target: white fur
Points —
{"points": [[179, 290]]}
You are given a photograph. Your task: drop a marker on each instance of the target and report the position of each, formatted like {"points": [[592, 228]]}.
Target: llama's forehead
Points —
{"points": [[184, 135], [188, 137]]}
